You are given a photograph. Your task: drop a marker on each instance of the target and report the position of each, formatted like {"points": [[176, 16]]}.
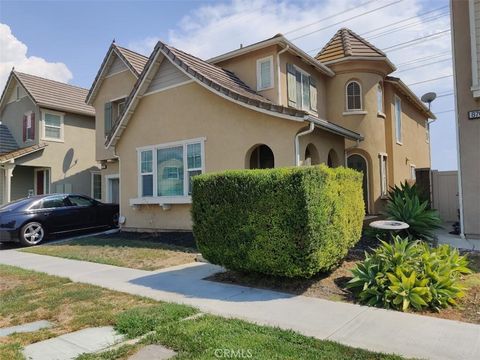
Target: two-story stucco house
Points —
{"points": [[264, 105], [47, 138], [113, 84], [465, 17]]}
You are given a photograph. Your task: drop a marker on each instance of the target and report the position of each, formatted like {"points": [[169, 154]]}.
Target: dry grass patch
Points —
{"points": [[331, 286], [141, 254]]}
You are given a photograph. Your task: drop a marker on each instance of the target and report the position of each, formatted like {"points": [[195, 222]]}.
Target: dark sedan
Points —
{"points": [[31, 220]]}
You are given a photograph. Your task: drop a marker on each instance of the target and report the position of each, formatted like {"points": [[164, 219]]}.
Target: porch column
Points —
{"points": [[8, 167]]}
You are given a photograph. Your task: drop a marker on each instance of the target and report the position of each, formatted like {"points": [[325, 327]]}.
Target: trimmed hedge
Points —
{"points": [[286, 221]]}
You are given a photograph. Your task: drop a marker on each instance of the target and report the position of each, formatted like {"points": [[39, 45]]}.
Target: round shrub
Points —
{"points": [[286, 221], [405, 274]]}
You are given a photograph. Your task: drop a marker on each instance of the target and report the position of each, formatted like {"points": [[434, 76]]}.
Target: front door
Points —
{"points": [[358, 162], [42, 181]]}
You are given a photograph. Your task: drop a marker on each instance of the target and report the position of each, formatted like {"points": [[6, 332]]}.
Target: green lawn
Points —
{"points": [[29, 296], [112, 250]]}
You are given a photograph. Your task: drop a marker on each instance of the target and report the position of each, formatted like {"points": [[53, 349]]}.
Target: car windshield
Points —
{"points": [[15, 205]]}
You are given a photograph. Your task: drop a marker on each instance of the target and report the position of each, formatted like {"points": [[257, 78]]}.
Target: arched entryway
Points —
{"points": [[260, 157], [311, 155], [359, 163], [332, 159]]}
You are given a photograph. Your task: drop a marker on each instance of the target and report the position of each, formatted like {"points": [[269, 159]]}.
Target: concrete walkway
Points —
{"points": [[359, 326]]}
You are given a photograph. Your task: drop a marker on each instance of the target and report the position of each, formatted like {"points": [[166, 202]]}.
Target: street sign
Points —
{"points": [[474, 114]]}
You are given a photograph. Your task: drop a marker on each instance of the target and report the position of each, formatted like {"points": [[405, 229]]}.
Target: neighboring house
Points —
{"points": [[115, 80], [265, 105], [465, 17], [47, 138]]}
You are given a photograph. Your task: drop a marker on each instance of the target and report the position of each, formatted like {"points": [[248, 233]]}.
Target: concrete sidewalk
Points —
{"points": [[359, 326]]}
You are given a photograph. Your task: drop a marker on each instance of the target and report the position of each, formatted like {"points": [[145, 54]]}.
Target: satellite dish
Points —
{"points": [[428, 97]]}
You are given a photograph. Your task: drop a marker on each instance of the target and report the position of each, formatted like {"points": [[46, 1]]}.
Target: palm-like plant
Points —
{"points": [[404, 205]]}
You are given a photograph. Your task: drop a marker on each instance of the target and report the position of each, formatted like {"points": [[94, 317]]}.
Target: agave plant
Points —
{"points": [[409, 274], [404, 205]]}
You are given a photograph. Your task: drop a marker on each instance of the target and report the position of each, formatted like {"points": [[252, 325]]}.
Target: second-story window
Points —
{"points": [[112, 112], [265, 73], [29, 126], [380, 98], [301, 89], [354, 96], [52, 125], [398, 120]]}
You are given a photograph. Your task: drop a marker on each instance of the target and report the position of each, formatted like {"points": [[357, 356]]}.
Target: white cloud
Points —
{"points": [[216, 28], [13, 53]]}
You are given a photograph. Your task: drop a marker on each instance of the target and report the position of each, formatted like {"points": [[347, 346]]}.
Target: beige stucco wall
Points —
{"points": [[415, 149], [230, 130], [469, 130], [245, 67], [112, 87], [70, 161]]}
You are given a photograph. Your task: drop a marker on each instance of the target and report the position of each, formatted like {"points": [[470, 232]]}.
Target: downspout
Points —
{"points": [[279, 87], [297, 142]]}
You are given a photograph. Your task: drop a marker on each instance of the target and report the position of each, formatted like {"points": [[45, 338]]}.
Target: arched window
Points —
{"points": [[380, 98], [260, 157], [354, 96], [311, 155], [332, 160]]}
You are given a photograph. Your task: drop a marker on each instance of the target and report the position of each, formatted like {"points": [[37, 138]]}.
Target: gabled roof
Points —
{"points": [[15, 154], [51, 94], [220, 81], [134, 61], [410, 95], [280, 40], [347, 45], [7, 141]]}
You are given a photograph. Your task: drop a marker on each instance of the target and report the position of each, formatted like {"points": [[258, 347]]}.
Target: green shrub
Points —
{"points": [[141, 320], [404, 205], [409, 274], [287, 221]]}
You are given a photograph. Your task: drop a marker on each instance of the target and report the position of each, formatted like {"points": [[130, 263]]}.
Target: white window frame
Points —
{"points": [[56, 113], [398, 121], [259, 73], [380, 102], [174, 199], [92, 176], [383, 175], [346, 96], [413, 175], [302, 106], [28, 114]]}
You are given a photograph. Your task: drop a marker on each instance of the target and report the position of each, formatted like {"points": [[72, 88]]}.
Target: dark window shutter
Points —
{"points": [[108, 118], [32, 129], [291, 85], [24, 128], [313, 94]]}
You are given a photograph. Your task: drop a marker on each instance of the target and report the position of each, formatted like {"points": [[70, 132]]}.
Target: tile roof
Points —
{"points": [[21, 152], [7, 141], [136, 60], [221, 81], [346, 43], [54, 94]]}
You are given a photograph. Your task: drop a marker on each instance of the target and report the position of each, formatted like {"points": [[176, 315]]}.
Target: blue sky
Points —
{"points": [[66, 40]]}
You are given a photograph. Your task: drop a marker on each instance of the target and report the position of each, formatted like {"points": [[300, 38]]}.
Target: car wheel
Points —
{"points": [[32, 233]]}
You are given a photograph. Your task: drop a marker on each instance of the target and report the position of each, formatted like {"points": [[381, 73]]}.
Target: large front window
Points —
{"points": [[167, 170]]}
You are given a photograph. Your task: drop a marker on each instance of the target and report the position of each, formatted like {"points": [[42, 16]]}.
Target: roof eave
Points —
{"points": [[334, 128], [34, 149], [277, 40], [362, 58], [412, 96]]}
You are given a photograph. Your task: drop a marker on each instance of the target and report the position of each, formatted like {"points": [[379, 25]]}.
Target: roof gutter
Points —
{"points": [[297, 142], [334, 128]]}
